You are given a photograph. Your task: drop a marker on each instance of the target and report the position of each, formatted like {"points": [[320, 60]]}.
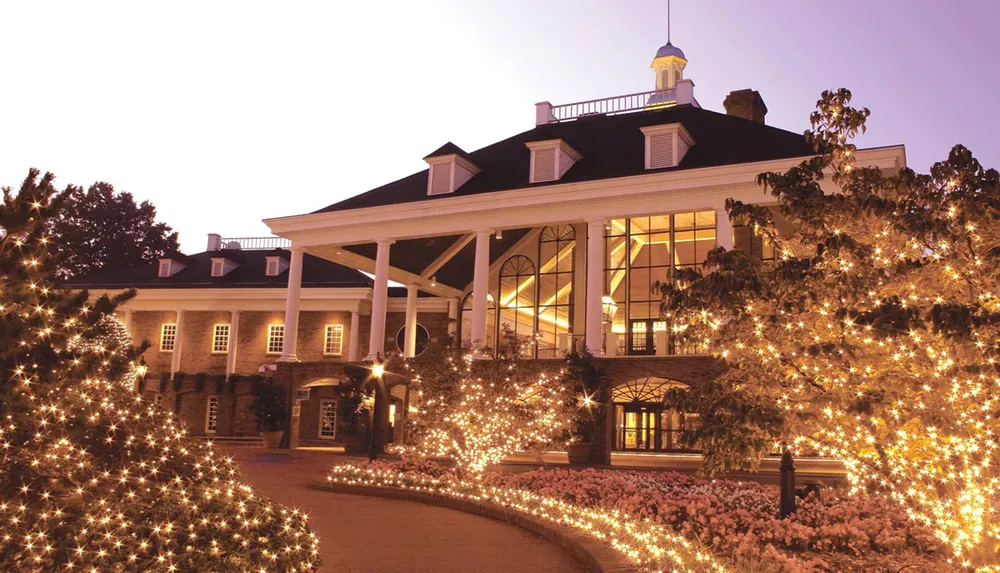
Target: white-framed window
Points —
{"points": [[164, 268], [328, 419], [333, 340], [168, 337], [218, 267], [220, 339], [157, 399], [275, 338], [272, 267], [212, 415]]}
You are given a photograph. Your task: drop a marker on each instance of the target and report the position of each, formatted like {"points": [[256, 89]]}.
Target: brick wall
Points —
{"points": [[436, 324], [199, 327]]}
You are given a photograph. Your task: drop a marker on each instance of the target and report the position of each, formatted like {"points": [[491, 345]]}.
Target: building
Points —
{"points": [[222, 312], [562, 230], [559, 230]]}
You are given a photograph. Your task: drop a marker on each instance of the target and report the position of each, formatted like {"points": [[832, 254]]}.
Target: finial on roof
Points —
{"points": [[669, 49]]}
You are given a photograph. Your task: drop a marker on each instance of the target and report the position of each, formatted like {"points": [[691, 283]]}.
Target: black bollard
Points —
{"points": [[787, 484]]}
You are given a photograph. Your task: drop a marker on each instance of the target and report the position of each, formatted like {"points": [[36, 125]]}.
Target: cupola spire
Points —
{"points": [[669, 62]]}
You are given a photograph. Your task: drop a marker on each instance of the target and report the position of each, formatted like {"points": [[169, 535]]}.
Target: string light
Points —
{"points": [[649, 546], [94, 478], [853, 338]]}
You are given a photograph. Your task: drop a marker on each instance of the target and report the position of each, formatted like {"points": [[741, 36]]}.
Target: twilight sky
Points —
{"points": [[224, 113]]}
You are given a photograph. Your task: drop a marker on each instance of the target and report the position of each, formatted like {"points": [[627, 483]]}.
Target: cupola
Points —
{"points": [[449, 167]]}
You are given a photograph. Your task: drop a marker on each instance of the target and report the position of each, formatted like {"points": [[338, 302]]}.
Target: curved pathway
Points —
{"points": [[361, 534]]}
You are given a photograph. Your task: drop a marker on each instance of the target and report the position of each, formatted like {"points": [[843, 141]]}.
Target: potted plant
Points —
{"points": [[589, 380], [269, 407]]}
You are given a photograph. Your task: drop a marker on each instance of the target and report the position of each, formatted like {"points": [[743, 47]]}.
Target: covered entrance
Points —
{"points": [[643, 424]]}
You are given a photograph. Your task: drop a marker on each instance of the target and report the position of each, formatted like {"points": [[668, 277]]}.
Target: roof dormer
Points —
{"points": [[221, 266], [276, 264], [172, 264], [449, 169], [666, 145], [550, 160]]}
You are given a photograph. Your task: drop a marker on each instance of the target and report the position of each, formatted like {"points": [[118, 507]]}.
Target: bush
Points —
{"points": [[199, 381], [164, 380], [179, 381], [268, 406], [220, 383], [232, 381]]}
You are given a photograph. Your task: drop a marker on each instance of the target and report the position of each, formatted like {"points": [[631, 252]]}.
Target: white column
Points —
{"points": [[234, 341], [452, 317], [410, 335], [290, 346], [376, 340], [175, 358], [354, 344], [723, 229], [128, 321], [595, 286], [480, 278]]}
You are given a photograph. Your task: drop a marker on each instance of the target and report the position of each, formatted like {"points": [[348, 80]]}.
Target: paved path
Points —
{"points": [[375, 535]]}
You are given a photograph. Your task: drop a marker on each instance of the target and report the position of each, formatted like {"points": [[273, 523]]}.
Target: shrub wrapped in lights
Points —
{"points": [[480, 412], [874, 335], [92, 478]]}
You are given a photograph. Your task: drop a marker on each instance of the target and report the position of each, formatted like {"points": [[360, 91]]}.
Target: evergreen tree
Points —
{"points": [[873, 337], [93, 478], [103, 230]]}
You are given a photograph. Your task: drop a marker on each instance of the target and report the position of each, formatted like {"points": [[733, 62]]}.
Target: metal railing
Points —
{"points": [[614, 105], [255, 243]]}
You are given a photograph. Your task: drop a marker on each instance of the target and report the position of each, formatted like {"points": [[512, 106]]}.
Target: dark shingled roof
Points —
{"points": [[449, 149], [611, 146], [316, 272]]}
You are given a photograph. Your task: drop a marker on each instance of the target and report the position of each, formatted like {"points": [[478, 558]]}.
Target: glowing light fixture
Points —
{"points": [[608, 308], [378, 370]]}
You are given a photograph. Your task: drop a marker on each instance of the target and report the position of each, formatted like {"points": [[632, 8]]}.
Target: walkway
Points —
{"points": [[374, 535]]}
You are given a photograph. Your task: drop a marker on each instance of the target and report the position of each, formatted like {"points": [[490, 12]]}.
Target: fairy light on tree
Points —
{"points": [[480, 412], [874, 335], [92, 478]]}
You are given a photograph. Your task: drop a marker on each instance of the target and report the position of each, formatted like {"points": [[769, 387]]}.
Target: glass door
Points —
{"points": [[640, 427], [641, 341]]}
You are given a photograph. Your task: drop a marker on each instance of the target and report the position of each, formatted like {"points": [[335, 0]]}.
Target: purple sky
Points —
{"points": [[224, 114]]}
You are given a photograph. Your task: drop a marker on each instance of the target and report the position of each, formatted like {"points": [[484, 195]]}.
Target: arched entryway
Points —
{"points": [[644, 424]]}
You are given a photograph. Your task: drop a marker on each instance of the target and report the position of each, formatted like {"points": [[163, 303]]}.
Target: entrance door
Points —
{"points": [[328, 419], [640, 338], [640, 427]]}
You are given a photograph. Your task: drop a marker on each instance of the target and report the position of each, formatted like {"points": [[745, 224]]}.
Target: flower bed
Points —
{"points": [[649, 546], [830, 531]]}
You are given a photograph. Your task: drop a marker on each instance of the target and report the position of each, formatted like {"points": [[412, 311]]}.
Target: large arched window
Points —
{"points": [[556, 247], [517, 296], [465, 329]]}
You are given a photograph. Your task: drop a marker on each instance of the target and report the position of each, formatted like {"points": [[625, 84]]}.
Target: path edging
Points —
{"points": [[597, 557]]}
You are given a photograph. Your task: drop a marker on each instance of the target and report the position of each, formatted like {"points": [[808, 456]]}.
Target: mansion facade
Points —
{"points": [[558, 232]]}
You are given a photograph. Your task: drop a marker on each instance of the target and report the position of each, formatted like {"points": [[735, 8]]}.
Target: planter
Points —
{"points": [[579, 453], [354, 444], [272, 439]]}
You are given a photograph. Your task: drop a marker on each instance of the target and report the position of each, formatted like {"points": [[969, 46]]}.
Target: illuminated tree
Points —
{"points": [[93, 478], [480, 412], [874, 335]]}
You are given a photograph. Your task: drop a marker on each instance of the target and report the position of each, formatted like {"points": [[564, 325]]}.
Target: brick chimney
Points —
{"points": [[746, 104]]}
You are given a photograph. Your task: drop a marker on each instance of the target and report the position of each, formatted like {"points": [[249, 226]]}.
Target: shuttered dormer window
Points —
{"points": [[666, 145], [440, 179], [275, 266], [169, 268], [221, 266], [217, 268], [661, 151], [545, 165], [448, 169], [550, 160]]}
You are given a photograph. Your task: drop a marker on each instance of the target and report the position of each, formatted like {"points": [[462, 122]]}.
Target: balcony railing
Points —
{"points": [[255, 243], [614, 105]]}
